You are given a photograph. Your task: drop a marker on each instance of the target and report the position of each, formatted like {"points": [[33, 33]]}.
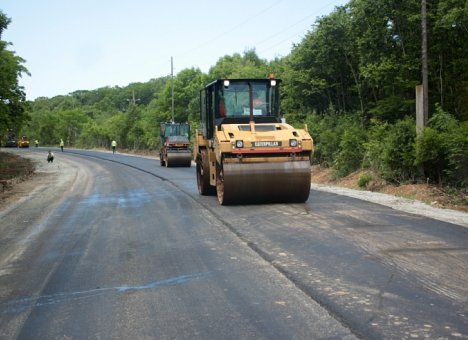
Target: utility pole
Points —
{"points": [[172, 88], [424, 61], [422, 98], [134, 100]]}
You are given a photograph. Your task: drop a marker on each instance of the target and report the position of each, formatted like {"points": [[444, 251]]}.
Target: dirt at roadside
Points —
{"points": [[19, 175], [14, 168], [430, 194], [16, 173]]}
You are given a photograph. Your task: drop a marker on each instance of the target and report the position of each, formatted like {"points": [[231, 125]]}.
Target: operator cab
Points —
{"points": [[175, 129], [239, 101]]}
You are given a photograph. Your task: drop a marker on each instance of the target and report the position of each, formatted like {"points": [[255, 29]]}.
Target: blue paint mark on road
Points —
{"points": [[22, 304], [169, 282], [133, 199]]}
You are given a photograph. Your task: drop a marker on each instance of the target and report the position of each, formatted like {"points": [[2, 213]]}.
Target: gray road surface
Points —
{"points": [[132, 251]]}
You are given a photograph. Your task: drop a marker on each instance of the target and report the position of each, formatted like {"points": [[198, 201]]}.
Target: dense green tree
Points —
{"points": [[115, 128], [129, 136], [12, 97], [187, 85], [248, 65], [449, 57], [388, 40], [44, 127], [365, 58], [71, 123], [150, 120], [93, 135], [322, 73]]}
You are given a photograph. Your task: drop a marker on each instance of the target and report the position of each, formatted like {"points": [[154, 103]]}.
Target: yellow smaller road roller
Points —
{"points": [[23, 142], [175, 145], [244, 151]]}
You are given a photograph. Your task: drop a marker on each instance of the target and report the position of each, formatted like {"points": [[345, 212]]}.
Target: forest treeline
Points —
{"points": [[352, 79]]}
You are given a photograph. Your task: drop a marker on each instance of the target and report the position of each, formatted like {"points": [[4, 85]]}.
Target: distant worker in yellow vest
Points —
{"points": [[61, 144], [114, 145], [36, 142]]}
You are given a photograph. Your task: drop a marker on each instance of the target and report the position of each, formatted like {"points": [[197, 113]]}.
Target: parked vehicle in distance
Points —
{"points": [[11, 143]]}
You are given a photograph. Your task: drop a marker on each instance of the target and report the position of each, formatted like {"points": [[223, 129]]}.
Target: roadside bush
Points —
{"points": [[373, 146], [338, 141], [326, 132], [349, 156], [457, 145], [441, 150], [390, 150], [430, 154], [364, 180]]}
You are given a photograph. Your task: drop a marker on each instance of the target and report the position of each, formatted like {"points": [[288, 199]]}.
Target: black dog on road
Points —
{"points": [[50, 157]]}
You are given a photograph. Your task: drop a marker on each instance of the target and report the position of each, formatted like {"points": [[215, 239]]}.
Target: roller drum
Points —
{"points": [[268, 182], [178, 159]]}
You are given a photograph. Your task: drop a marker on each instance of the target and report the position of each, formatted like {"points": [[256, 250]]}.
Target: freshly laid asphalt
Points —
{"points": [[116, 246]]}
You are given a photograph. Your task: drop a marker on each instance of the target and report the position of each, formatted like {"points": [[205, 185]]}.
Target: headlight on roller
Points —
{"points": [[239, 144], [293, 143]]}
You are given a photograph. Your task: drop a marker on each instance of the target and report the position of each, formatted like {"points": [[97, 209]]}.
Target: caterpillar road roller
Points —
{"points": [[175, 145], [244, 151]]}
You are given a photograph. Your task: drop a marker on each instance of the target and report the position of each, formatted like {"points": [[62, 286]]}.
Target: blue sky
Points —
{"points": [[84, 45]]}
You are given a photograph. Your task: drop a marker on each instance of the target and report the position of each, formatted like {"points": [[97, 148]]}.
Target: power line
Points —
{"points": [[289, 27], [188, 52], [185, 54]]}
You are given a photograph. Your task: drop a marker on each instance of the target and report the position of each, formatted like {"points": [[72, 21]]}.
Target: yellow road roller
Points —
{"points": [[244, 151], [175, 145]]}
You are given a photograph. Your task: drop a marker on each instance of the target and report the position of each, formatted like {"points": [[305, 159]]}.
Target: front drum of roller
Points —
{"points": [[266, 182], [179, 159]]}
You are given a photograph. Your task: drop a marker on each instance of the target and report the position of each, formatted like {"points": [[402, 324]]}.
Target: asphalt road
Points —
{"points": [[115, 246]]}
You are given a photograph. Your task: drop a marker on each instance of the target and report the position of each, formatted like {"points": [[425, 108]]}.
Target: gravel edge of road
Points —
{"points": [[399, 203]]}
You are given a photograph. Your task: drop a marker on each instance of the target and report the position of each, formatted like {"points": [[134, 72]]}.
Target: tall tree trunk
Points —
{"points": [[356, 81], [441, 84]]}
